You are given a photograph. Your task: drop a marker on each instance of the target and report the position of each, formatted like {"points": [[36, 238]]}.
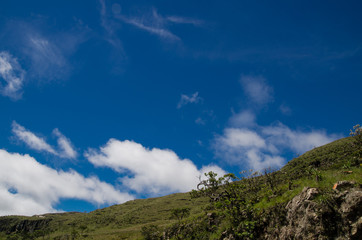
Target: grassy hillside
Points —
{"points": [[250, 198]]}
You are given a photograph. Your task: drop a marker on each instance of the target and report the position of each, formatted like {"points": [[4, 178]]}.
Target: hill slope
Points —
{"points": [[256, 206]]}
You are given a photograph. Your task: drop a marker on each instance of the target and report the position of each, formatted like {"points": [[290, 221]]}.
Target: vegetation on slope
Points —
{"points": [[233, 207]]}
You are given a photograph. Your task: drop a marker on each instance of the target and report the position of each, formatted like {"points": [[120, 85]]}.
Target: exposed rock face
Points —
{"points": [[337, 217], [308, 219]]}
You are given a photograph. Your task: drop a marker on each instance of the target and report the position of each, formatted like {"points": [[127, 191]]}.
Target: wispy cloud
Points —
{"points": [[65, 147], [200, 121], [257, 90], [157, 30], [11, 76], [157, 24], [31, 140], [47, 59], [110, 26], [286, 110], [153, 170], [184, 20], [243, 119], [187, 99], [40, 188], [46, 54]]}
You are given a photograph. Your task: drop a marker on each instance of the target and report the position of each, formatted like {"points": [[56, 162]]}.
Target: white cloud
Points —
{"points": [[185, 99], [257, 90], [259, 160], [31, 140], [65, 145], [154, 171], [246, 148], [299, 141], [11, 76], [263, 146], [235, 137], [28, 187]]}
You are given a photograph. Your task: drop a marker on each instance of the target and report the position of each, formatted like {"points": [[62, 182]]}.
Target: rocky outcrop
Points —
{"points": [[312, 215]]}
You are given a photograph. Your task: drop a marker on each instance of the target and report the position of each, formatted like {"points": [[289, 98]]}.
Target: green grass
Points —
{"points": [[122, 221]]}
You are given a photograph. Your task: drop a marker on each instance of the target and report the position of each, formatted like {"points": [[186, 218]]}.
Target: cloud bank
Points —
{"points": [[154, 171], [28, 187]]}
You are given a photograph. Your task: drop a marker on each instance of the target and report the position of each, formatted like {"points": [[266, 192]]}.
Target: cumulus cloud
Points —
{"points": [[186, 99], [31, 140], [11, 76], [154, 171], [246, 148], [263, 146], [28, 187], [257, 90], [65, 145], [235, 137], [297, 140]]}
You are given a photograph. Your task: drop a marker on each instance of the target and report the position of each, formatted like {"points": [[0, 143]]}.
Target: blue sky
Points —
{"points": [[105, 101]]}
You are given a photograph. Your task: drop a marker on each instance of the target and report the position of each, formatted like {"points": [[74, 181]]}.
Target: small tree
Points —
{"points": [[180, 213]]}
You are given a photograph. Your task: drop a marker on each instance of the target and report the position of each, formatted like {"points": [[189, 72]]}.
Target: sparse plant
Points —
{"points": [[357, 131]]}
